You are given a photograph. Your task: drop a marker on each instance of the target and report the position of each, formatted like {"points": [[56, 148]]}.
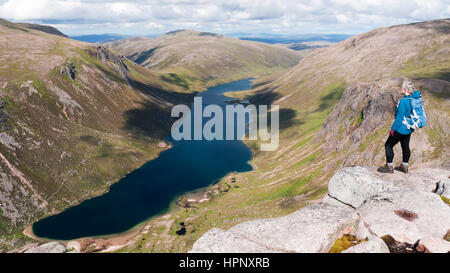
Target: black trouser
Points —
{"points": [[392, 141]]}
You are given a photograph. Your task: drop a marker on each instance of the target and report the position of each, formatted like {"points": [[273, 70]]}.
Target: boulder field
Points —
{"points": [[385, 212]]}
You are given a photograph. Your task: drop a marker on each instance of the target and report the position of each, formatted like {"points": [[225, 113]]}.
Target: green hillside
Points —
{"points": [[74, 118], [195, 60]]}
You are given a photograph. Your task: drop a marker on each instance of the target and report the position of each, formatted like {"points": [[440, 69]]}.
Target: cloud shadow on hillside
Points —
{"points": [[268, 97], [152, 117]]}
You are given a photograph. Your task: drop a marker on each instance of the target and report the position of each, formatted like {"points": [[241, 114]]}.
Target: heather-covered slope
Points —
{"points": [[195, 60], [74, 118]]}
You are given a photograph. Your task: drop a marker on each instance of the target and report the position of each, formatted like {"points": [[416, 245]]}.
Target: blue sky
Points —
{"points": [[140, 17]]}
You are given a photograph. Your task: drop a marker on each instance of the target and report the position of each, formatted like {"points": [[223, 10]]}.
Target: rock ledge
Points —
{"points": [[361, 202]]}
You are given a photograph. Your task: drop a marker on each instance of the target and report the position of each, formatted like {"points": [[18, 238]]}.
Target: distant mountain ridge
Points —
{"points": [[195, 59], [43, 28], [188, 32], [282, 39], [263, 37], [99, 38]]}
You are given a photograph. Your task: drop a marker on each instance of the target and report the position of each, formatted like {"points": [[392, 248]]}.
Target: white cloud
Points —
{"points": [[153, 25], [288, 16], [342, 18]]}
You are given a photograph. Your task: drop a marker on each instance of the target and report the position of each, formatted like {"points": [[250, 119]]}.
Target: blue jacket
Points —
{"points": [[403, 110]]}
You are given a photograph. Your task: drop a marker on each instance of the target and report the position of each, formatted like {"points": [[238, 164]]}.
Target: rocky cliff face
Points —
{"points": [[384, 212], [357, 126]]}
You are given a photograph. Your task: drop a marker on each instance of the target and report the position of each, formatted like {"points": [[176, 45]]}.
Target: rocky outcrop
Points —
{"points": [[311, 229], [360, 202], [73, 247], [442, 189], [402, 206], [375, 100], [52, 247], [356, 192], [114, 61], [3, 116], [221, 241], [360, 122], [106, 56], [69, 70]]}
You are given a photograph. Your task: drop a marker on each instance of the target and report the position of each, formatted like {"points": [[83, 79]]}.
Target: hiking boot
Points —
{"points": [[386, 169], [402, 168]]}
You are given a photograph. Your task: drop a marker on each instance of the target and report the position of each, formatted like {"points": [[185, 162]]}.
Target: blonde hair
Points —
{"points": [[408, 85]]}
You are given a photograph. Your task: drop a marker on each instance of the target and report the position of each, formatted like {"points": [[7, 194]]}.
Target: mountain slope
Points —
{"points": [[336, 107], [99, 38], [195, 60], [43, 28], [367, 71], [74, 118]]}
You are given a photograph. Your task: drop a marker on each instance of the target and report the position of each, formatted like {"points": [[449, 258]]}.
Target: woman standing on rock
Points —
{"points": [[400, 130]]}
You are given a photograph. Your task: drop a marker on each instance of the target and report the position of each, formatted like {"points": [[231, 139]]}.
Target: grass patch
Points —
{"points": [[306, 160], [434, 135], [134, 73], [305, 141], [446, 200], [345, 242], [421, 66], [175, 79], [330, 95], [292, 188], [12, 25], [9, 103], [447, 236], [40, 87], [374, 136]]}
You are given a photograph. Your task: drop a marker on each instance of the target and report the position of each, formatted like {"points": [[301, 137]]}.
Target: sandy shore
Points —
{"points": [[28, 231], [93, 244]]}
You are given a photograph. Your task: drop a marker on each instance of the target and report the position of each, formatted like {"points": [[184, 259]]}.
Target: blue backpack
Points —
{"points": [[418, 117]]}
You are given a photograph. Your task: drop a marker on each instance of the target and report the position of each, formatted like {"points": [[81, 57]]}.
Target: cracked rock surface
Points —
{"points": [[360, 202], [53, 247]]}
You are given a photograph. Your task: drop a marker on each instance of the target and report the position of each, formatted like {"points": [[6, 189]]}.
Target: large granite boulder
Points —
{"points": [[360, 202], [221, 241], [403, 206], [353, 186], [311, 229], [53, 247], [435, 245], [73, 247]]}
